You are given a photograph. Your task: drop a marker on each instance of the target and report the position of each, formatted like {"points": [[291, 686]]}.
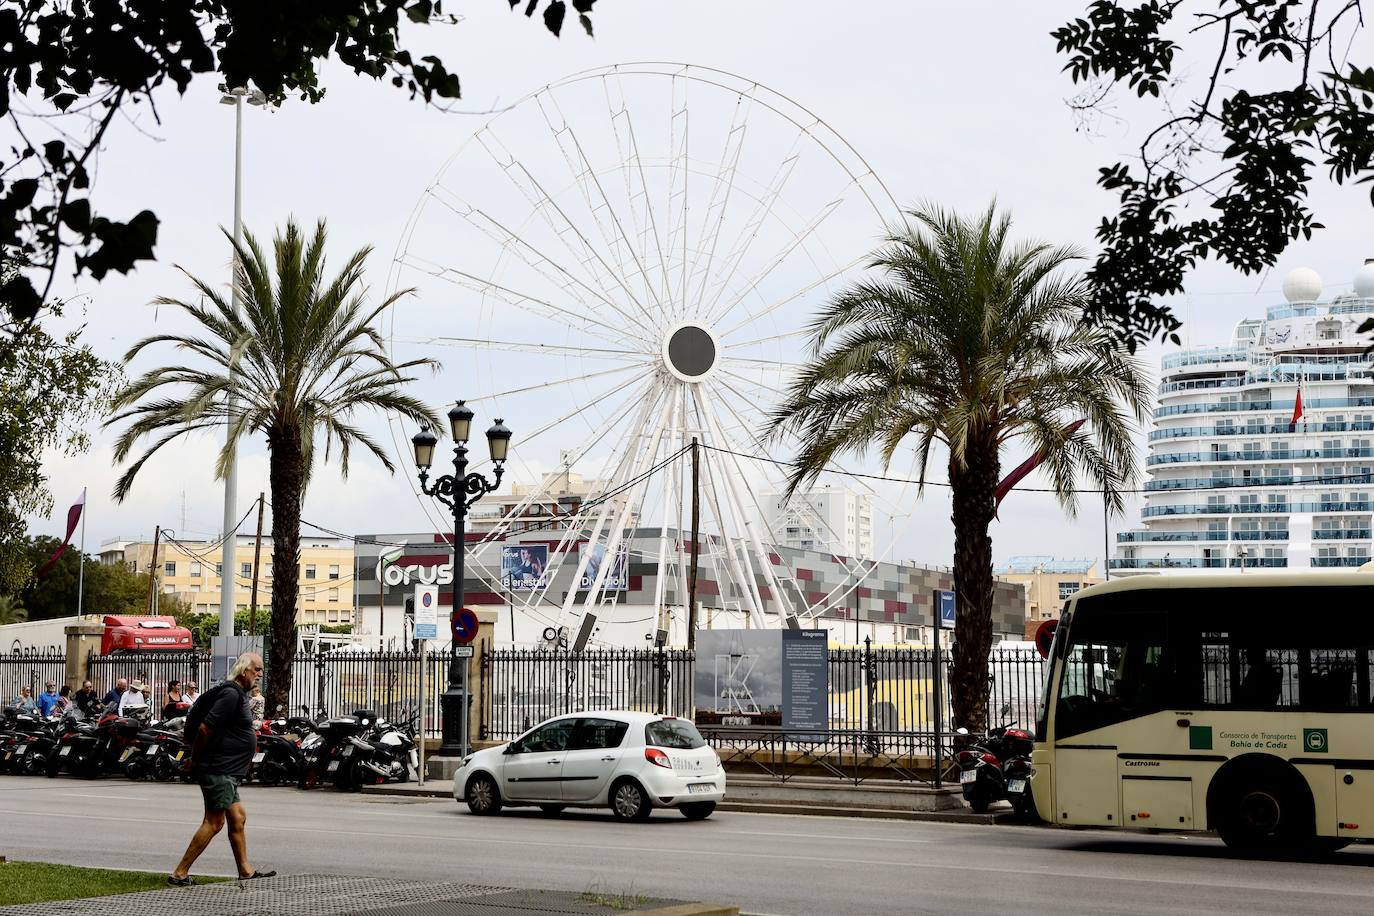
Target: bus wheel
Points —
{"points": [[1259, 814]]}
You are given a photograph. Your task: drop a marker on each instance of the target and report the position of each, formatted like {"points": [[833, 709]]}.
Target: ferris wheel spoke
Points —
{"points": [[556, 383], [557, 219], [533, 305], [586, 178], [679, 169], [720, 200], [511, 241], [625, 388], [477, 343], [776, 304], [636, 182], [810, 229]]}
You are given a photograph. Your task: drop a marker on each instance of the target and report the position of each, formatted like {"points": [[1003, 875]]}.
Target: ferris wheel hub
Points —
{"points": [[691, 351]]}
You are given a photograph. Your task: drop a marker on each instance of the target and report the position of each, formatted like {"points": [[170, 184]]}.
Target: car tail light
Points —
{"points": [[658, 758]]}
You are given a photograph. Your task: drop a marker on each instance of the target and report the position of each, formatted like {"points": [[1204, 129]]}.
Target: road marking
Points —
{"points": [[93, 795]]}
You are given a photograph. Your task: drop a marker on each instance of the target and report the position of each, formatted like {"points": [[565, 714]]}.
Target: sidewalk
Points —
{"points": [[802, 796], [334, 895]]}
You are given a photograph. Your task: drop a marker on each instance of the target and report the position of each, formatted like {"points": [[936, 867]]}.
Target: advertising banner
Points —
{"points": [[617, 579], [738, 678], [524, 567]]}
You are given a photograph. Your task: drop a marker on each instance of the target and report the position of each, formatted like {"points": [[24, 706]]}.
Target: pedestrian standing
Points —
{"points": [[133, 698], [176, 705], [86, 699], [257, 704], [64, 700], [220, 729], [47, 700], [115, 693], [189, 692]]}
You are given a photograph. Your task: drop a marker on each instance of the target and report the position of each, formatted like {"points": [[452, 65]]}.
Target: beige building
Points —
{"points": [[191, 570], [1048, 582]]}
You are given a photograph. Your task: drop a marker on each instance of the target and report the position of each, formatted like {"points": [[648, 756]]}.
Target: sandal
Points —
{"points": [[188, 881], [258, 874]]}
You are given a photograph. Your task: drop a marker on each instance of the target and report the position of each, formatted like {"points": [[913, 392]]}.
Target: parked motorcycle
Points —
{"points": [[34, 748], [983, 766], [386, 753], [329, 749], [279, 758], [157, 752], [19, 732]]}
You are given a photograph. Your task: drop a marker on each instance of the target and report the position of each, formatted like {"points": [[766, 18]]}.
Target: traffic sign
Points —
{"points": [[462, 651], [1044, 637], [464, 625], [426, 612], [946, 607], [426, 631]]}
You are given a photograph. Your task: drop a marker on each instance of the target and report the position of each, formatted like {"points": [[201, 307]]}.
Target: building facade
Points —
{"points": [[192, 571], [1262, 451], [823, 518], [1048, 582], [885, 602]]}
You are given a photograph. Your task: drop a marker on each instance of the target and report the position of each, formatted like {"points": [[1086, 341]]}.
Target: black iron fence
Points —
{"points": [[338, 682], [521, 687], [155, 669], [32, 670]]}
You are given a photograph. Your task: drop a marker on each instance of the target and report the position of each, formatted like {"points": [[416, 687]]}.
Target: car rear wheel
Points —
{"points": [[482, 796], [628, 801], [698, 811]]}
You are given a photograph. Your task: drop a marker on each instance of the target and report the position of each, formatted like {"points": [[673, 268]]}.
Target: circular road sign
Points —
{"points": [[464, 624], [1044, 637]]}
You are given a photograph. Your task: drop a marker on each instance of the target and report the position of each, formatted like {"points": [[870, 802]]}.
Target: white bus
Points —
{"points": [[1240, 704]]}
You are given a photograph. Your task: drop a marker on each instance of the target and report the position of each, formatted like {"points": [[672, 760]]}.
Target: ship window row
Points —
{"points": [[1277, 451], [1258, 427], [1240, 405], [1284, 478]]}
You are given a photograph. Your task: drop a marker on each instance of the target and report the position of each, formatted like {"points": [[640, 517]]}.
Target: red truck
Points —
{"points": [[133, 633]]}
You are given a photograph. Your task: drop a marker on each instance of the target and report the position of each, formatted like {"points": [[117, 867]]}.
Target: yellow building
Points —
{"points": [[1048, 582], [191, 571]]}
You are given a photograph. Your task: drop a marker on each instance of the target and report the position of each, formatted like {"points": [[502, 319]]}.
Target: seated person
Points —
{"points": [[1262, 684]]}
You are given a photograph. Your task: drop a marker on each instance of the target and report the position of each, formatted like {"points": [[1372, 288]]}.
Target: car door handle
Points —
{"points": [[552, 762], [607, 758]]}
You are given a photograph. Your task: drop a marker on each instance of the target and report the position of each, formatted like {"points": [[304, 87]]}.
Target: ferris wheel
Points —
{"points": [[623, 262]]}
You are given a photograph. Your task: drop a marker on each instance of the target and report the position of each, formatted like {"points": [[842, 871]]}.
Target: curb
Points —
{"points": [[693, 909]]}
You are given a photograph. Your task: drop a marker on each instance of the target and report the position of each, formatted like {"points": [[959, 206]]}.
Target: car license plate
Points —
{"points": [[151, 750], [348, 751], [968, 776], [65, 751], [699, 787], [125, 756], [180, 753], [21, 749], [1016, 785], [333, 765], [257, 758]]}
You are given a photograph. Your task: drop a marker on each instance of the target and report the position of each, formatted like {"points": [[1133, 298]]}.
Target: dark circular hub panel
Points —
{"points": [[691, 351]]}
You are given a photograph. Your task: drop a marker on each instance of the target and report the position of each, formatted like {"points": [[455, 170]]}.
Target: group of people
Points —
{"points": [[124, 696]]}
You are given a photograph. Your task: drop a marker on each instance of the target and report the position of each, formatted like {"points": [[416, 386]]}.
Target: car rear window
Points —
{"points": [[675, 733]]}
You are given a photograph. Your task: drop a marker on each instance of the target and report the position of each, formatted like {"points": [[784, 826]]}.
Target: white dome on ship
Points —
{"points": [[1303, 284], [1364, 282]]}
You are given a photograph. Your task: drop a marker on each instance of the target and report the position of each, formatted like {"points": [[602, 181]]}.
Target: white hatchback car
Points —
{"points": [[631, 762]]}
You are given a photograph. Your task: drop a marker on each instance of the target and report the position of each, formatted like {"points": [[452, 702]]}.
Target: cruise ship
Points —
{"points": [[1261, 453]]}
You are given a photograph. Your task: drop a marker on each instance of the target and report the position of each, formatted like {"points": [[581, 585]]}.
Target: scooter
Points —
{"points": [[385, 754], [983, 777]]}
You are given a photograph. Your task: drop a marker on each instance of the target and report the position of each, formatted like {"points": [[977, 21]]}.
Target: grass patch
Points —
{"points": [[615, 901], [35, 882]]}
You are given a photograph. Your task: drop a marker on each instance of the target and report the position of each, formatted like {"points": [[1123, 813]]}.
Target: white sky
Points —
{"points": [[945, 103]]}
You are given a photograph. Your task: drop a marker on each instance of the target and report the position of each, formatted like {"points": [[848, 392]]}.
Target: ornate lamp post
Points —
{"points": [[458, 491]]}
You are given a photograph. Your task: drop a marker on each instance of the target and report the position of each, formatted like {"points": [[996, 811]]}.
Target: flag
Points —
{"points": [[73, 517], [1028, 465], [1297, 412]]}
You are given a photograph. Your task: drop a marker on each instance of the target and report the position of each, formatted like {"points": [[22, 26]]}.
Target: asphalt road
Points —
{"points": [[764, 863]]}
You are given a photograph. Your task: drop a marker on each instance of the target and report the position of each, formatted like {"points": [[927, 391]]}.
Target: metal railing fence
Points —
{"points": [[30, 669], [152, 668]]}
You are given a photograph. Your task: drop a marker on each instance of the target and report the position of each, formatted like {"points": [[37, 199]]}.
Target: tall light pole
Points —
{"points": [[229, 561], [458, 491]]}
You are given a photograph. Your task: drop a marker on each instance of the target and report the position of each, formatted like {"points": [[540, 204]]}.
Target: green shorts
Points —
{"points": [[219, 791]]}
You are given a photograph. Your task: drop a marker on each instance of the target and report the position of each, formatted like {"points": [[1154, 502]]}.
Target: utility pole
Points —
{"points": [[692, 571], [152, 568], [257, 565]]}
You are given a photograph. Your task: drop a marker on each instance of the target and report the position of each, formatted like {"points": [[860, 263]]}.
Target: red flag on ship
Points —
{"points": [[73, 516], [1297, 412]]}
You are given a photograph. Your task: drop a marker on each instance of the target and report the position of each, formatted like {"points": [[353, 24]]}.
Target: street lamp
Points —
{"points": [[458, 491], [227, 592]]}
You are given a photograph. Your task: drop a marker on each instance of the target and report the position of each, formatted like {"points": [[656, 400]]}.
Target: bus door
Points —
{"points": [[1084, 767]]}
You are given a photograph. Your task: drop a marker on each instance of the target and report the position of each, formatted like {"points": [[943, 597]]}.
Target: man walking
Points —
{"points": [[220, 728]]}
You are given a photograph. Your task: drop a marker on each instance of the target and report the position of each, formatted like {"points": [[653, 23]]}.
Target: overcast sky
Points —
{"points": [[947, 102]]}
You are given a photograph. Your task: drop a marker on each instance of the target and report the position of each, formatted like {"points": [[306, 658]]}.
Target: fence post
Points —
{"points": [[482, 694], [319, 681], [83, 639]]}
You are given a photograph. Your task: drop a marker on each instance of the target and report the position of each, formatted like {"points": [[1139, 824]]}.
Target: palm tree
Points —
{"points": [[296, 361], [11, 611], [973, 342]]}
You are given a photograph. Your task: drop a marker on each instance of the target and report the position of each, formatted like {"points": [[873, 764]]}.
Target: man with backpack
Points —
{"points": [[219, 728]]}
